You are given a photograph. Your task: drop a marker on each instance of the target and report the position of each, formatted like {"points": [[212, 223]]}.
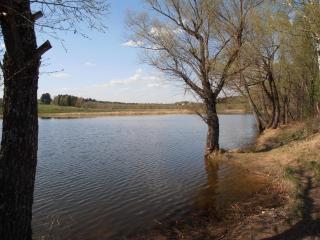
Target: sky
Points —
{"points": [[105, 67]]}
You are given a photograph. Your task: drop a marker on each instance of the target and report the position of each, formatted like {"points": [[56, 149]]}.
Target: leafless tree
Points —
{"points": [[309, 11], [197, 42]]}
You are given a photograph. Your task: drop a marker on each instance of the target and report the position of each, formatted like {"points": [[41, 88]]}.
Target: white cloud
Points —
{"points": [[61, 75], [151, 85], [141, 86], [2, 46], [138, 79], [132, 43], [89, 64]]}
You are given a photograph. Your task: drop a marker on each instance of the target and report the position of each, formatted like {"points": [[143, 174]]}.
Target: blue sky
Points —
{"points": [[102, 67]]}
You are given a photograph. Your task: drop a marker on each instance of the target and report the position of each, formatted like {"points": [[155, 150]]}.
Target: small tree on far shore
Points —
{"points": [[45, 98]]}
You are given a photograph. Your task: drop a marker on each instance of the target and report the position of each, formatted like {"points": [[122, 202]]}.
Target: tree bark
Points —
{"points": [[18, 155], [273, 101], [256, 113], [285, 109], [212, 121], [318, 51], [317, 110], [276, 119], [273, 96]]}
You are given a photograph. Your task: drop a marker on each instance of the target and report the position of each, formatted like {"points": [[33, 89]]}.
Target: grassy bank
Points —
{"points": [[285, 206]]}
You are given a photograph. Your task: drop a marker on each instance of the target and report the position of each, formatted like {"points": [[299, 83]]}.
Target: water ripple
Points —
{"points": [[104, 177]]}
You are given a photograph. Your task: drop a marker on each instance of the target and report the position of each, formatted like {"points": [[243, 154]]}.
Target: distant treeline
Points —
{"points": [[74, 101], [69, 100]]}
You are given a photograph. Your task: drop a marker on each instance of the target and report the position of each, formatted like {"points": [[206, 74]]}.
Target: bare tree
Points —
{"points": [[18, 155], [197, 42], [282, 78], [309, 11]]}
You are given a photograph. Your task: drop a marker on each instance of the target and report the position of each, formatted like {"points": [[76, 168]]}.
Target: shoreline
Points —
{"points": [[90, 114], [287, 161]]}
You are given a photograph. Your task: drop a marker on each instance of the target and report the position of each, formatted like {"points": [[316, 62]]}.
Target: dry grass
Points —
{"points": [[114, 113], [285, 156]]}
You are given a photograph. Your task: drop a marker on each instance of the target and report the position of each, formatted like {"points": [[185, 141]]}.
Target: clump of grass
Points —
{"points": [[312, 126], [291, 135], [314, 166], [291, 174]]}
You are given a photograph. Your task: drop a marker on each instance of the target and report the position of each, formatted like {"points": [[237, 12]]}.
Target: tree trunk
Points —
{"points": [[273, 101], [257, 115], [18, 155], [318, 51], [285, 109], [213, 126], [269, 97], [276, 119], [317, 110]]}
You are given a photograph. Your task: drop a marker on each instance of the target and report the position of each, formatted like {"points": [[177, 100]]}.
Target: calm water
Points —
{"points": [[101, 178]]}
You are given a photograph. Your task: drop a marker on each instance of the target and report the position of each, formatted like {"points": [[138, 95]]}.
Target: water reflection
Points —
{"points": [[227, 182]]}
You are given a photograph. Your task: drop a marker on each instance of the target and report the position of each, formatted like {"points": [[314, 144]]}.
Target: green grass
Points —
{"points": [[46, 108]]}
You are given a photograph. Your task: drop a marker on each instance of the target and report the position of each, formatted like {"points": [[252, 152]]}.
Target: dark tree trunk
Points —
{"points": [[273, 101], [265, 110], [285, 110], [276, 119], [18, 155], [273, 96], [257, 115], [212, 121], [265, 97]]}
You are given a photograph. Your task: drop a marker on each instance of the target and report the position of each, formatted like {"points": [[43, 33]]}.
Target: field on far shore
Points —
{"points": [[229, 105], [234, 105]]}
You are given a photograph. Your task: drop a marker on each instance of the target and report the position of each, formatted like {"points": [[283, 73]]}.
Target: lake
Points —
{"points": [[102, 178]]}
